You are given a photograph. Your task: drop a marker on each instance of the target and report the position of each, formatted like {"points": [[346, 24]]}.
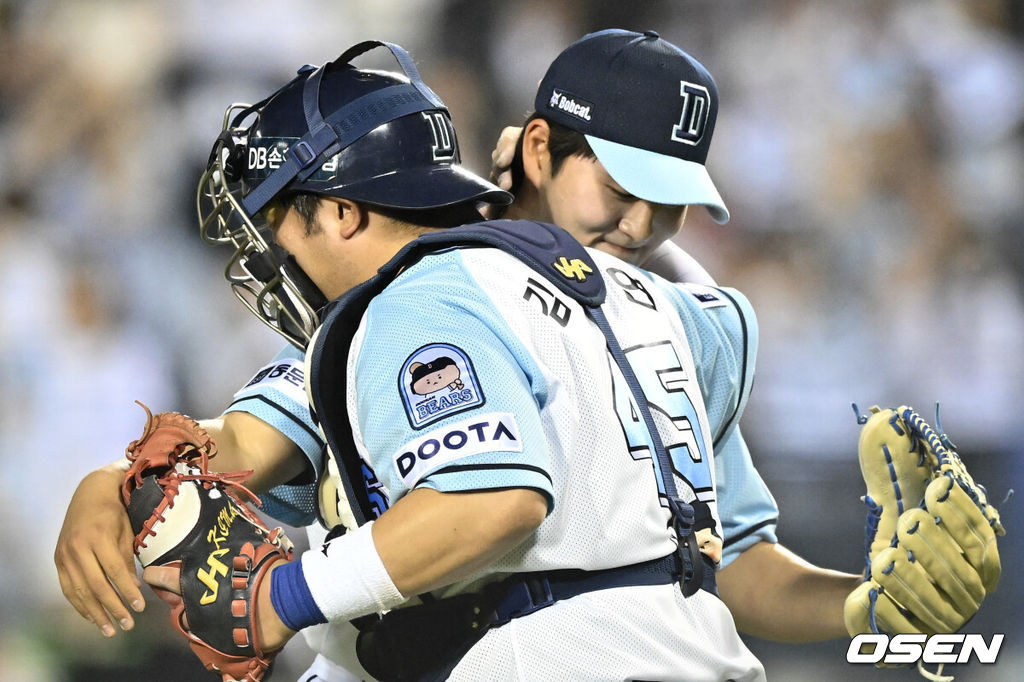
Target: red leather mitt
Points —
{"points": [[189, 518]]}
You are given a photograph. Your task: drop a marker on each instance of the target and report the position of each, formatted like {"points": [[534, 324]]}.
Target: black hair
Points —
{"points": [[307, 203], [563, 142]]}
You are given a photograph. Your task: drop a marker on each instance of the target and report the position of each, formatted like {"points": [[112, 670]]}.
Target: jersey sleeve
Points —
{"points": [[277, 395], [746, 506], [724, 345], [448, 400]]}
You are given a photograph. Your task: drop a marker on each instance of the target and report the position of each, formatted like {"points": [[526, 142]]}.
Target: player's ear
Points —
{"points": [[345, 217], [536, 157]]}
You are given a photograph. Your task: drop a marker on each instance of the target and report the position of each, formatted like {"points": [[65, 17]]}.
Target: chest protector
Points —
{"points": [[541, 246]]}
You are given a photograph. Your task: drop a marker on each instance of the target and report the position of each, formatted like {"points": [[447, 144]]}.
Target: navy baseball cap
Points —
{"points": [[646, 108]]}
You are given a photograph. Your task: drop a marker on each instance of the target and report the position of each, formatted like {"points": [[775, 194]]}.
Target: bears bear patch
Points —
{"points": [[436, 381]]}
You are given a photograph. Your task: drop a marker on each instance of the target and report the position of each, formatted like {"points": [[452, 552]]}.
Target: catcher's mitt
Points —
{"points": [[186, 517], [931, 533]]}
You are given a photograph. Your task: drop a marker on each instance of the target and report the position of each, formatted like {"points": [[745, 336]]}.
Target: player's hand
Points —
{"points": [[501, 157], [273, 633], [501, 165], [94, 558]]}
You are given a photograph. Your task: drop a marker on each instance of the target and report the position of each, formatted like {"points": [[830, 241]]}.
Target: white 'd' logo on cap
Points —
{"points": [[693, 119]]}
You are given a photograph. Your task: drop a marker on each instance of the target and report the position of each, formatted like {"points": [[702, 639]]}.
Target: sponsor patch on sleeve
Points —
{"points": [[437, 381], [494, 432], [707, 297], [286, 375]]}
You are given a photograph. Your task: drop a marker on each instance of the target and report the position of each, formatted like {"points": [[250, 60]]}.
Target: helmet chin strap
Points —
{"points": [[305, 287], [300, 297], [295, 301]]}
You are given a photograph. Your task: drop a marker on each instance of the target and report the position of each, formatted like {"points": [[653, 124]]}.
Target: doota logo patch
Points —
{"points": [[436, 381]]}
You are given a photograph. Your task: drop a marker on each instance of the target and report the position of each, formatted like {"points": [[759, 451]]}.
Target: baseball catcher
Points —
{"points": [[930, 545], [187, 517]]}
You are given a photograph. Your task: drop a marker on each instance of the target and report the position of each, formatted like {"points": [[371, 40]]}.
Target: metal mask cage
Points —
{"points": [[259, 272]]}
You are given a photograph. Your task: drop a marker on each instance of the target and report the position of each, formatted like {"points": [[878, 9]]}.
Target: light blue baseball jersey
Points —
{"points": [[483, 391], [471, 372], [277, 395]]}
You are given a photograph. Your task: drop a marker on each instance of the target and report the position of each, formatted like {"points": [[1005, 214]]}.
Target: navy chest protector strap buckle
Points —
{"points": [[541, 246]]}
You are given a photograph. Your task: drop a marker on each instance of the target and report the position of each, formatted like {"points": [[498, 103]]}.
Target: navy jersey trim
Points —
{"points": [[750, 531], [743, 371], [455, 468], [305, 427]]}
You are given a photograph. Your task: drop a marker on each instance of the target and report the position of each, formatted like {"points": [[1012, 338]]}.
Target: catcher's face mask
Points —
{"points": [[261, 274], [386, 141]]}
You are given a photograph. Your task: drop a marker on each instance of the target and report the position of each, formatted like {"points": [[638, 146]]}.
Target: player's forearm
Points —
{"points": [[776, 595], [430, 539], [101, 485], [425, 541], [674, 264], [245, 442]]}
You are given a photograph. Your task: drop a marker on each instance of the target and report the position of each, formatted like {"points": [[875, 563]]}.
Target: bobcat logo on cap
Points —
{"points": [[570, 104], [694, 117]]}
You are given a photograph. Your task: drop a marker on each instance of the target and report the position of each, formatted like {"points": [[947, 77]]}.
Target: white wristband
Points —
{"points": [[347, 578]]}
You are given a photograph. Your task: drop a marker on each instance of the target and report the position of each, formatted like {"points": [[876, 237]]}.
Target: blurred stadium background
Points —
{"points": [[872, 155]]}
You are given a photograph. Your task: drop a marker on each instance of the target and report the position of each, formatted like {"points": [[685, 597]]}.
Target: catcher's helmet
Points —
{"points": [[369, 136]]}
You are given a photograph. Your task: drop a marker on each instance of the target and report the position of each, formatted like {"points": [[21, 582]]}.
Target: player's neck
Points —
{"points": [[527, 206]]}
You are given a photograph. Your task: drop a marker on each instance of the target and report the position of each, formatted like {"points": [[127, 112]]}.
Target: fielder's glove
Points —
{"points": [[186, 517], [931, 532]]}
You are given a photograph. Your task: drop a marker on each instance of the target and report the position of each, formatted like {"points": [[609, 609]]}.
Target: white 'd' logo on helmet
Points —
{"points": [[694, 117], [443, 148]]}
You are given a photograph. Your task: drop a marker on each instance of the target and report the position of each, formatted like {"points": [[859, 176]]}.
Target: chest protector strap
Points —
{"points": [[545, 248], [542, 246]]}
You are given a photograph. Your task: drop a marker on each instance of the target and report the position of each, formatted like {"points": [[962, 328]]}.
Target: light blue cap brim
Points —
{"points": [[659, 178]]}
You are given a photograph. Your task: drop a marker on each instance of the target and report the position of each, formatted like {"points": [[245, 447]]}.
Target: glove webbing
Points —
{"points": [[947, 461]]}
